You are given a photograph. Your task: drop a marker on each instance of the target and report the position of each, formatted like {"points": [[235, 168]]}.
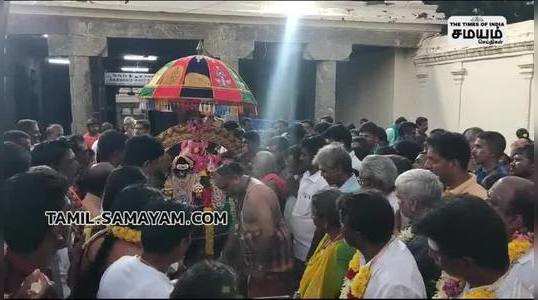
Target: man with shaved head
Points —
{"points": [[265, 168], [513, 198]]}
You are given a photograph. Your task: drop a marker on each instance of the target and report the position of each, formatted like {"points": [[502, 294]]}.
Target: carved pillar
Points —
{"points": [[526, 71], [458, 77]]}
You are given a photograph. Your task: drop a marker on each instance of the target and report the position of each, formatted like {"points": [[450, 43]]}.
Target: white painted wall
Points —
{"points": [[406, 103], [485, 87], [494, 96], [454, 87]]}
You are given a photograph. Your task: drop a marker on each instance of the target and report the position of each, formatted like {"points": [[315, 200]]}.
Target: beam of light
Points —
{"points": [[58, 61], [45, 36], [134, 69], [140, 57], [283, 84]]}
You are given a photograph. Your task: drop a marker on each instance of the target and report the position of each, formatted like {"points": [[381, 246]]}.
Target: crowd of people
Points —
{"points": [[322, 210]]}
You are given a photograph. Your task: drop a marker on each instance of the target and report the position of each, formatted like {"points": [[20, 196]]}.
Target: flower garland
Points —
{"points": [[353, 269], [449, 287], [360, 281], [356, 279], [406, 235], [126, 234], [355, 262], [480, 293], [519, 246]]}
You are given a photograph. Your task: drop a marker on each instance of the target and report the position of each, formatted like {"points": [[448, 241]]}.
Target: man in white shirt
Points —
{"points": [[506, 287], [144, 276], [468, 240], [513, 199], [302, 224], [334, 163], [368, 222]]}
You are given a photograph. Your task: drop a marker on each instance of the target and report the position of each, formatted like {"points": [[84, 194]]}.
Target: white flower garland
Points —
{"points": [[406, 235], [346, 288]]}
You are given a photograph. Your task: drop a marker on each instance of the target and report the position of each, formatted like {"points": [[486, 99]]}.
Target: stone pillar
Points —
{"points": [[81, 92], [325, 89], [326, 55], [229, 45], [81, 50], [98, 87]]}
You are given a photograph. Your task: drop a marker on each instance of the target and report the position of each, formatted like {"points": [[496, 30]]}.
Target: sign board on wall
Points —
{"points": [[127, 79], [477, 30]]}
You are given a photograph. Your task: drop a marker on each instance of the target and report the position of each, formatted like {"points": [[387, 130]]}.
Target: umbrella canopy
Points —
{"points": [[198, 82]]}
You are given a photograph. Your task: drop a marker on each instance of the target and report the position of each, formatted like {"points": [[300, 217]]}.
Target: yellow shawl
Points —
{"points": [[325, 270]]}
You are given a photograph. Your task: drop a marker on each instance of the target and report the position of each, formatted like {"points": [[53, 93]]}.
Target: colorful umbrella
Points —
{"points": [[198, 82]]}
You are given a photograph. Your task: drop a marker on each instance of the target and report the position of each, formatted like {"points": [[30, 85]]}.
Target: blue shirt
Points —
{"points": [[486, 179]]}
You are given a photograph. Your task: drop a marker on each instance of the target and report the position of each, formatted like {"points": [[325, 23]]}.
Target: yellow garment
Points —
{"points": [[325, 270]]}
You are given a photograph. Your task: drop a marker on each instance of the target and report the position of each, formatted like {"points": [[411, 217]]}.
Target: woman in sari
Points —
{"points": [[326, 268]]}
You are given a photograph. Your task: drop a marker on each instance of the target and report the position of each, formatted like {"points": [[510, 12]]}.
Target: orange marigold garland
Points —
{"points": [[480, 293], [125, 233], [520, 245]]}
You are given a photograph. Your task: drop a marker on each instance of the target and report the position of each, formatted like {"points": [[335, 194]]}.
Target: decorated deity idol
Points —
{"points": [[201, 143]]}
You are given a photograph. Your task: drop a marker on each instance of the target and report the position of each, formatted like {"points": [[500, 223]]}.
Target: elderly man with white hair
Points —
{"points": [[335, 165], [379, 172], [419, 191]]}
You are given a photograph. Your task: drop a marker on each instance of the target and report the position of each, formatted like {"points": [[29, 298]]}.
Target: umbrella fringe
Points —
{"points": [[206, 108]]}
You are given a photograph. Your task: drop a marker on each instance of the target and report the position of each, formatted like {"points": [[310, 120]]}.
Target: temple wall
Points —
{"points": [[488, 87], [454, 87]]}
